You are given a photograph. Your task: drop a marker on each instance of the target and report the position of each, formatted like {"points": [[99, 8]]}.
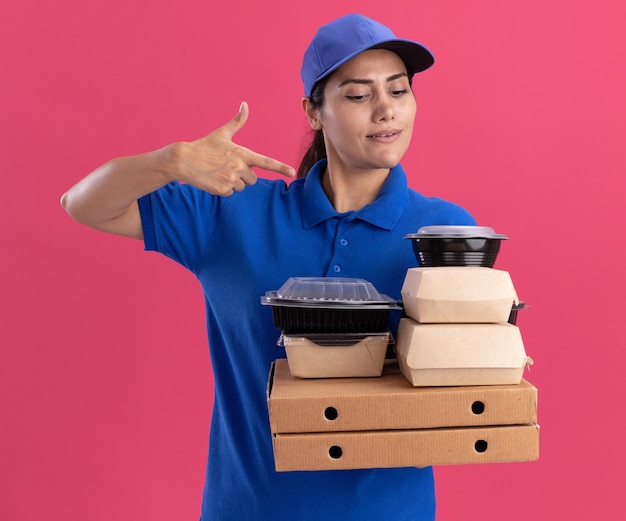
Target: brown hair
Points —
{"points": [[317, 148]]}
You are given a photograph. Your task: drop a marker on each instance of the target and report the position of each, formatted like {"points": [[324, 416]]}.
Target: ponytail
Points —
{"points": [[317, 147], [315, 152]]}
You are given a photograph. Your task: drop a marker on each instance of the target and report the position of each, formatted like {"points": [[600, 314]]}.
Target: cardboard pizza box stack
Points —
{"points": [[381, 422]]}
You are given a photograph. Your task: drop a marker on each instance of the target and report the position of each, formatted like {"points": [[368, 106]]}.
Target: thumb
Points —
{"points": [[235, 124]]}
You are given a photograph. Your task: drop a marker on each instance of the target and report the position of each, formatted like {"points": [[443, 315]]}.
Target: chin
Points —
{"points": [[388, 162]]}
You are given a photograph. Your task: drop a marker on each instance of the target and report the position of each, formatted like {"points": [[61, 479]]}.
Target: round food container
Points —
{"points": [[456, 246], [314, 305]]}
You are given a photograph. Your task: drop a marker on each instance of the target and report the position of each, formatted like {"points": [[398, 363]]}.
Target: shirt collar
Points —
{"points": [[384, 211]]}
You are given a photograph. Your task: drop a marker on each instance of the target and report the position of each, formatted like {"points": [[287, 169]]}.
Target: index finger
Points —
{"points": [[268, 163]]}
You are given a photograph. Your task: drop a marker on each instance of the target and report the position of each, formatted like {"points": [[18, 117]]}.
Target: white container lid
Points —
{"points": [[455, 231]]}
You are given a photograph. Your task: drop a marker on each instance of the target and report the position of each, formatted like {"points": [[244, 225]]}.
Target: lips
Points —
{"points": [[384, 134]]}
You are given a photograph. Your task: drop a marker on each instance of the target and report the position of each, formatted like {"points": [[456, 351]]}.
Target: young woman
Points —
{"points": [[346, 215]]}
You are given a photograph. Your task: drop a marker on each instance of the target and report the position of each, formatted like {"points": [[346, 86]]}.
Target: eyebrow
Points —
{"points": [[367, 82]]}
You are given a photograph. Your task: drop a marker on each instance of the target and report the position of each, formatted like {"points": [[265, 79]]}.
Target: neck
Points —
{"points": [[351, 191]]}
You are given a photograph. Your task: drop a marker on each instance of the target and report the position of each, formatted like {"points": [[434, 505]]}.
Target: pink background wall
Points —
{"points": [[105, 382]]}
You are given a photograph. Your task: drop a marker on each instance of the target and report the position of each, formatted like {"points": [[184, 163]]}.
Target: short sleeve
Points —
{"points": [[178, 221]]}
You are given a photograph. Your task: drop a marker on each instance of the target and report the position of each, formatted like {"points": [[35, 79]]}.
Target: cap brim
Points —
{"points": [[415, 56]]}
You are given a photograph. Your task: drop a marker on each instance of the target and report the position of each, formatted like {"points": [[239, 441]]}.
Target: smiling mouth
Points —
{"points": [[384, 134]]}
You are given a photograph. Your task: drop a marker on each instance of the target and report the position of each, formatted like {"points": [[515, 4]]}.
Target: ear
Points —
{"points": [[312, 114]]}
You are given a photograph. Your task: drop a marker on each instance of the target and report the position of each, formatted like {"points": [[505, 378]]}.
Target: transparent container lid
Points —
{"points": [[455, 231], [328, 288], [328, 291]]}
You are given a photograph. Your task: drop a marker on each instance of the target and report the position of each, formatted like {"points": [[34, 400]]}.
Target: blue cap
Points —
{"points": [[342, 39]]}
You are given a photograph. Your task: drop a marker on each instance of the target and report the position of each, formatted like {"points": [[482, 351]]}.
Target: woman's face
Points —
{"points": [[368, 113]]}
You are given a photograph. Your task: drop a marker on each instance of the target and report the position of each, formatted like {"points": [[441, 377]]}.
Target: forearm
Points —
{"points": [[106, 198]]}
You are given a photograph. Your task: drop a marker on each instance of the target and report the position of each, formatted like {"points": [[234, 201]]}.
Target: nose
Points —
{"points": [[384, 110]]}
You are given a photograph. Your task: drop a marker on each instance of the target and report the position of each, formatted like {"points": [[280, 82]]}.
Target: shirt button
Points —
{"points": [[337, 268], [343, 242]]}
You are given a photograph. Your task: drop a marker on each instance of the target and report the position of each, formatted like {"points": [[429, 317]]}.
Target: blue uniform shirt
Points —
{"points": [[241, 246]]}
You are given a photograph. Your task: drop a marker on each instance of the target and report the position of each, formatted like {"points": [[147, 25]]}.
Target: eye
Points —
{"points": [[357, 97], [399, 92]]}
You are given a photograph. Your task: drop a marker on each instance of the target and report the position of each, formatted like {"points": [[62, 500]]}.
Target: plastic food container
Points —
{"points": [[336, 356], [313, 305], [456, 245]]}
